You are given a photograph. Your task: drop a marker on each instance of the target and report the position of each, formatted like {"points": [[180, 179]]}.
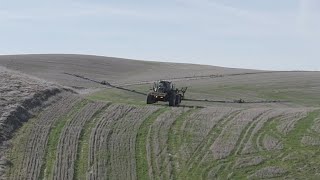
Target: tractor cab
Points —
{"points": [[163, 86]]}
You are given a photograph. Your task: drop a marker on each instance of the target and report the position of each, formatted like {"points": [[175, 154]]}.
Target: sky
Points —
{"points": [[270, 34]]}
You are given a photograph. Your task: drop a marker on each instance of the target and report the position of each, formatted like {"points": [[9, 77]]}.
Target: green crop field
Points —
{"points": [[97, 132]]}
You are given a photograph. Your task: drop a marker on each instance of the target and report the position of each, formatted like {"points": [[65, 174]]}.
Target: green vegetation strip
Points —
{"points": [[152, 156], [19, 143], [117, 96], [198, 168], [141, 151], [175, 141], [53, 140], [270, 127], [81, 163], [304, 158], [293, 140]]}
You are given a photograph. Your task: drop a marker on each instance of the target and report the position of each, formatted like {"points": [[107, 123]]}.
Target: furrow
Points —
{"points": [[249, 130], [227, 140], [122, 143], [69, 139], [159, 139], [99, 156], [219, 118], [35, 150]]}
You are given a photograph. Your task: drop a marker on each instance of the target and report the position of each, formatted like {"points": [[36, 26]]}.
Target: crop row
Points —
{"points": [[158, 155], [287, 122], [178, 142], [227, 140], [112, 142], [208, 123], [69, 140], [30, 157], [99, 157]]}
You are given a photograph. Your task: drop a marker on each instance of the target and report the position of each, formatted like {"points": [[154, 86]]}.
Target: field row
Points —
{"points": [[82, 139], [230, 143]]}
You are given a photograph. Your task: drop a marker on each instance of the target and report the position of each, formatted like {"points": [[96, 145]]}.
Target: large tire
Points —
{"points": [[178, 99], [150, 99], [172, 100]]}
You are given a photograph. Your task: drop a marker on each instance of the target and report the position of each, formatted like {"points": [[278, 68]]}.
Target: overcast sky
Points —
{"points": [[269, 34]]}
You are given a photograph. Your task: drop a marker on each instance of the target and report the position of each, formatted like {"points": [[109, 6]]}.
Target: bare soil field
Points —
{"points": [[50, 132], [113, 70]]}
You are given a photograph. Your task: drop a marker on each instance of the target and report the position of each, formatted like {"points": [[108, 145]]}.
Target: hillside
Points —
{"points": [[111, 134], [115, 70], [22, 97], [203, 81]]}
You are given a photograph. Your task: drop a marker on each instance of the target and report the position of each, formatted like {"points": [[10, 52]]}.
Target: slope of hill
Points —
{"points": [[21, 98], [114, 70], [96, 140], [112, 134], [204, 82]]}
